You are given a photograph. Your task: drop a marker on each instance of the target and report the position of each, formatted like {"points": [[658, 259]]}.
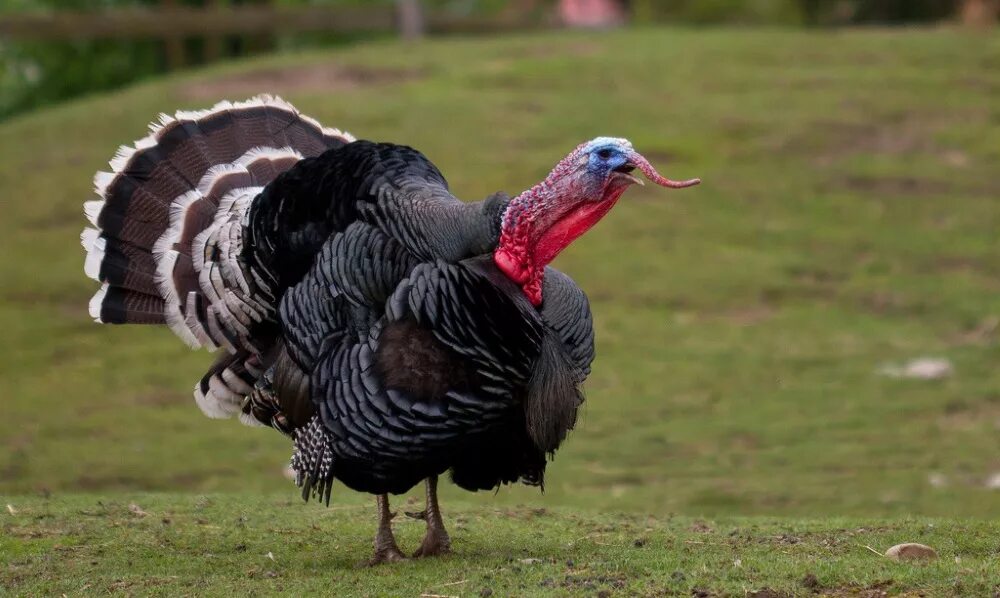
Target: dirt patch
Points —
{"points": [[964, 416], [984, 333], [315, 77], [30, 533], [701, 527], [878, 589], [580, 582]]}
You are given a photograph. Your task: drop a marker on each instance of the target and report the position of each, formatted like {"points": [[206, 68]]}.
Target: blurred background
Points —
{"points": [[813, 330], [53, 50]]}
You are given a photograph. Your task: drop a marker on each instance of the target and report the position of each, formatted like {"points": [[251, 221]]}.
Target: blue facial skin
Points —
{"points": [[605, 154]]}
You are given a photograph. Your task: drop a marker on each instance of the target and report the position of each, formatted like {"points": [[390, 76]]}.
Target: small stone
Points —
{"points": [[937, 480], [531, 561], [924, 368], [911, 551]]}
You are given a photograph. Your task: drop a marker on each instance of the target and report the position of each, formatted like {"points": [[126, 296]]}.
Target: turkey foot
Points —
{"points": [[386, 549], [436, 541]]}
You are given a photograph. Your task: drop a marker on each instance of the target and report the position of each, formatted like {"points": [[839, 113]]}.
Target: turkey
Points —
{"points": [[392, 331]]}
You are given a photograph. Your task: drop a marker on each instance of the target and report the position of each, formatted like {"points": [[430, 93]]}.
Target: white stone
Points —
{"points": [[911, 551], [924, 368]]}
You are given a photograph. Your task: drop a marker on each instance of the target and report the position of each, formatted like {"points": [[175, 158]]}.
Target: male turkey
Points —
{"points": [[393, 331]]}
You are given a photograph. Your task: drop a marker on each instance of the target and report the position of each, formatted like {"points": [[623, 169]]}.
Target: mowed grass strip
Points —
{"points": [[170, 545], [847, 221]]}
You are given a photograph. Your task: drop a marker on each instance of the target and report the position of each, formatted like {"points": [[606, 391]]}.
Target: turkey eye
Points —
{"points": [[604, 154]]}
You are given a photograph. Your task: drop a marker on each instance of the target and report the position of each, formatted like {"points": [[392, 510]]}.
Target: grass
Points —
{"points": [[167, 545], [847, 220]]}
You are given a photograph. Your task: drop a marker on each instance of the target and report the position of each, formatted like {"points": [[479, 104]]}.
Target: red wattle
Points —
{"points": [[569, 228], [513, 268]]}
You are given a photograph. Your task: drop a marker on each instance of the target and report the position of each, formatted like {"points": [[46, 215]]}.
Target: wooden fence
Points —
{"points": [[173, 23]]}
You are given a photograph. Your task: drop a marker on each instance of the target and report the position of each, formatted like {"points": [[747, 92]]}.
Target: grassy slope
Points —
{"points": [[223, 545], [848, 219]]}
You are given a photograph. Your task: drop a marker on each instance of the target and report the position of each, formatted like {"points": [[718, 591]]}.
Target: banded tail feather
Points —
{"points": [[168, 225]]}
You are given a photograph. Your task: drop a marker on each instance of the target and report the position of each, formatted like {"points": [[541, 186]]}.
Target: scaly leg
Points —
{"points": [[386, 549], [436, 540]]}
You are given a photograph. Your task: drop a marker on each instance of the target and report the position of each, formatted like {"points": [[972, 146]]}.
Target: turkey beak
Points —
{"points": [[637, 160]]}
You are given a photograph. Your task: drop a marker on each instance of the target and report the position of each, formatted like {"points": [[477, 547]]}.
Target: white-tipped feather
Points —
{"points": [[96, 301], [265, 99], [92, 209], [338, 133], [172, 308], [155, 127], [215, 173], [166, 257], [194, 324], [88, 236], [209, 405], [122, 157], [192, 115], [328, 131], [235, 202], [199, 252], [215, 329], [146, 142], [249, 420], [236, 383], [178, 213], [95, 256], [102, 180], [228, 398], [267, 153]]}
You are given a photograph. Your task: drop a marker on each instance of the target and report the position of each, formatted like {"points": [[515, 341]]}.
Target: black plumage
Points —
{"points": [[354, 297]]}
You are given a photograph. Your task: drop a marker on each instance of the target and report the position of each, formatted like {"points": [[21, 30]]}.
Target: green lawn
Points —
{"points": [[848, 220], [163, 544]]}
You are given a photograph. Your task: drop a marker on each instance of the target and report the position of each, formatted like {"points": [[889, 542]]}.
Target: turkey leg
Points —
{"points": [[436, 540], [386, 549]]}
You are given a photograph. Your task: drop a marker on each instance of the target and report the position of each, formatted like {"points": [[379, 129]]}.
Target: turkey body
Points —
{"points": [[353, 297], [403, 344]]}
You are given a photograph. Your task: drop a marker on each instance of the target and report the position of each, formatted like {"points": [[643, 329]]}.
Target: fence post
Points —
{"points": [[411, 19], [173, 43]]}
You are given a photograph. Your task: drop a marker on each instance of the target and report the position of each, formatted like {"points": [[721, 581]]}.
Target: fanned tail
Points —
{"points": [[167, 230]]}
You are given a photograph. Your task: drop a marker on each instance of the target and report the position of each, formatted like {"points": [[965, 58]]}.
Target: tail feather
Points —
{"points": [[118, 263], [167, 229], [115, 305]]}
